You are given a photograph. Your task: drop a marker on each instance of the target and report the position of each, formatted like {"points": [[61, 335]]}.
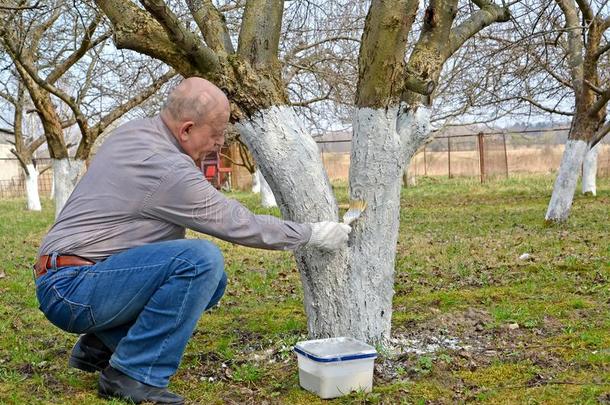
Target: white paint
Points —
{"points": [[589, 171], [289, 159], [382, 144], [267, 197], [431, 344], [256, 184], [565, 184], [349, 292], [31, 188], [66, 173]]}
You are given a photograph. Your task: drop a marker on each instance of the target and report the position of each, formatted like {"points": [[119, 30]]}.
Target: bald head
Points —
{"points": [[197, 113], [195, 99]]}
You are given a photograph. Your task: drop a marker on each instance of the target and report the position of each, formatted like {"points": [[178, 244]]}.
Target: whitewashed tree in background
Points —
{"points": [[570, 44], [20, 136]]}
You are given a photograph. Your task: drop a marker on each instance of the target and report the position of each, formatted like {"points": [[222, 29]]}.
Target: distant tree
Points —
{"points": [[566, 46], [13, 93], [57, 54]]}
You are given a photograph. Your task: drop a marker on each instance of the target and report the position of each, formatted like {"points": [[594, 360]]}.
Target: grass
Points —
{"points": [[457, 274]]}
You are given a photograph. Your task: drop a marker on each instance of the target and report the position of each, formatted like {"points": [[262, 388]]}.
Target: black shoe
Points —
{"points": [[114, 384], [89, 354]]}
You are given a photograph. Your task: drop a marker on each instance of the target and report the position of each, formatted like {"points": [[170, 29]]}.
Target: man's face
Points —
{"points": [[199, 140]]}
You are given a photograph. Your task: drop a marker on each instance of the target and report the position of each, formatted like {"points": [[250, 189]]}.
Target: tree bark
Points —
{"points": [[565, 184], [31, 188], [589, 171], [66, 173]]}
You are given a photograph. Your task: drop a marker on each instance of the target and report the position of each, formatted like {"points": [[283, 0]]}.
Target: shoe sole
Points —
{"points": [[83, 365], [110, 397]]}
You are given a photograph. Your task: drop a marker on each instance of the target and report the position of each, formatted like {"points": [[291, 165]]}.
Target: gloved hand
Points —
{"points": [[328, 235]]}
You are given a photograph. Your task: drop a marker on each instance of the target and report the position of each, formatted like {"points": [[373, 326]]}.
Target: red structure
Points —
{"points": [[214, 171]]}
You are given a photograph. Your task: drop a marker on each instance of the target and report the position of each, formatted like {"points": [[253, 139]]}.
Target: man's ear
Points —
{"points": [[185, 130]]}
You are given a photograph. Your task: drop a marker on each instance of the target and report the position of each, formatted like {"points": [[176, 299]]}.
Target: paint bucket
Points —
{"points": [[335, 367]]}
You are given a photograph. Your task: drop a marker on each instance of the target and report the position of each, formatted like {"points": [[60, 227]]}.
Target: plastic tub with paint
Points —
{"points": [[334, 367]]}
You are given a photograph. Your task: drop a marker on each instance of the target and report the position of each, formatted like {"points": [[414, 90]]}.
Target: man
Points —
{"points": [[115, 266]]}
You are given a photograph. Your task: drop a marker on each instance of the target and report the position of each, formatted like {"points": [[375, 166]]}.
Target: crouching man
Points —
{"points": [[115, 266]]}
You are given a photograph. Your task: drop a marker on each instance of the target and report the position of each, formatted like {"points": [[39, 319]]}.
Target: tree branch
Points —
{"points": [[586, 10], [20, 8], [33, 74], [600, 134], [37, 143], [120, 110], [381, 66], [21, 160], [200, 55], [212, 25], [6, 131], [487, 15], [259, 36], [137, 30], [313, 100], [575, 46], [543, 108], [602, 51], [600, 103], [85, 45]]}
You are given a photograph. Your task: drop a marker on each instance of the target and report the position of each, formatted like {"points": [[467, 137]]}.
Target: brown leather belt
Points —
{"points": [[44, 263]]}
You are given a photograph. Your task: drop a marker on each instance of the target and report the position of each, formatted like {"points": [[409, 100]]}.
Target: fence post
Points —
{"points": [[481, 156], [425, 162], [505, 153], [449, 155]]}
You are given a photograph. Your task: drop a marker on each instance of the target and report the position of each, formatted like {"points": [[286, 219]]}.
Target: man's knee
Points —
{"points": [[206, 257]]}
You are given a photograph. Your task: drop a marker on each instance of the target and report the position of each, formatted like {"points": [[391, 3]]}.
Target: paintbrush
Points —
{"points": [[355, 210]]}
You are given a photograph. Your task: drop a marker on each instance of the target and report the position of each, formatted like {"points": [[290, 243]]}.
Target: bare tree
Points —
{"points": [[347, 292], [24, 145], [48, 46]]}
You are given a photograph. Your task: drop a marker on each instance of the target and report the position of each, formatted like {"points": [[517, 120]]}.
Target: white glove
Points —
{"points": [[328, 235]]}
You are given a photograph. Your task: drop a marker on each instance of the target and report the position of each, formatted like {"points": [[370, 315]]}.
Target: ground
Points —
{"points": [[472, 321]]}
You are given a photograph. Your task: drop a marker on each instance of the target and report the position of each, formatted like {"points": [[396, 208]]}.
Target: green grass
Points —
{"points": [[457, 271]]}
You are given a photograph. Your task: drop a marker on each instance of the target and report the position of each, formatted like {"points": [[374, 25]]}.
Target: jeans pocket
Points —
{"points": [[63, 313]]}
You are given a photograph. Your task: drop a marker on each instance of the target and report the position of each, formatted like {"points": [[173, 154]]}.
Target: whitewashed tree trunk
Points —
{"points": [[383, 143], [347, 293], [31, 188], [304, 194], [567, 178], [589, 171], [256, 183], [267, 197], [52, 193], [66, 173]]}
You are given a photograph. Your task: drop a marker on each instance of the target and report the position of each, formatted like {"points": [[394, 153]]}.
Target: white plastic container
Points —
{"points": [[334, 367]]}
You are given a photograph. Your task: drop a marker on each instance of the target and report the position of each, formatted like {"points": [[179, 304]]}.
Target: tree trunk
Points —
{"points": [[565, 184], [66, 173], [269, 134], [267, 197], [589, 171], [256, 183], [382, 147], [31, 188]]}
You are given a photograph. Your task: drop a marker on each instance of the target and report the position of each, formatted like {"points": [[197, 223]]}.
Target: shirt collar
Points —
{"points": [[167, 133]]}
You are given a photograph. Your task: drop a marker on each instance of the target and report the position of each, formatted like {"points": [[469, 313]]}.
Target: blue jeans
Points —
{"points": [[143, 303]]}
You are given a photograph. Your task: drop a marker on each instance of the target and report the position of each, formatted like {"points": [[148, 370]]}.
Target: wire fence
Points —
{"points": [[14, 186], [483, 155]]}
